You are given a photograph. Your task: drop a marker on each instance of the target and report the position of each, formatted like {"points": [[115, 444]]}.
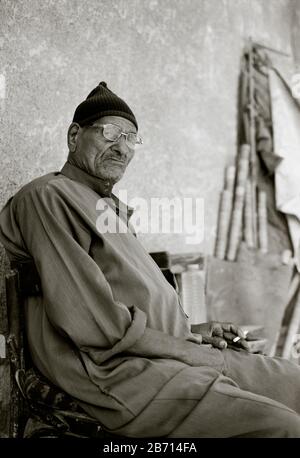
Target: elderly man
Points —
{"points": [[108, 328]]}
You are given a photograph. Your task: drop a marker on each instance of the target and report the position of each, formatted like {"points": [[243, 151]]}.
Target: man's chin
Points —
{"points": [[111, 177], [112, 170]]}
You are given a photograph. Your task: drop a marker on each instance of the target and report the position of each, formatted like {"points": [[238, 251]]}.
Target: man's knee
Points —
{"points": [[284, 423], [278, 423]]}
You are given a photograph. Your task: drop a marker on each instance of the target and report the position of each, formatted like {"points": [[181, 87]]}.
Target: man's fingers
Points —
{"points": [[244, 344], [238, 331], [217, 331], [217, 342], [229, 336], [241, 343], [198, 337], [236, 341], [229, 327]]}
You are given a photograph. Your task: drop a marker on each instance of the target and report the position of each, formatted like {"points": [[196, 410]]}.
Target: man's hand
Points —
{"points": [[221, 335]]}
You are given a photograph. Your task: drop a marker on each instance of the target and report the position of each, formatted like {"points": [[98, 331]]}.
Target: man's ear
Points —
{"points": [[72, 136]]}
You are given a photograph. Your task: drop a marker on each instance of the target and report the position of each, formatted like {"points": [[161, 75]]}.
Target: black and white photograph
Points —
{"points": [[149, 223]]}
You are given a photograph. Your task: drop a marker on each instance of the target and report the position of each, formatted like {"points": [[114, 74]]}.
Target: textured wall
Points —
{"points": [[296, 33], [176, 62]]}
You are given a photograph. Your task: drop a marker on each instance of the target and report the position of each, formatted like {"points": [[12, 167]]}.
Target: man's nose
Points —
{"points": [[121, 146]]}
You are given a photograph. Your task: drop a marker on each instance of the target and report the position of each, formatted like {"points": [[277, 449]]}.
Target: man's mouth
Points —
{"points": [[118, 161]]}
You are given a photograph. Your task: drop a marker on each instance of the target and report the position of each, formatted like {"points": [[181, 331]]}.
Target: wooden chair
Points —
{"points": [[37, 407]]}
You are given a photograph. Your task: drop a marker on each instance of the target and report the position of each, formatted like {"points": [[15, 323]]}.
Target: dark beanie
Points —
{"points": [[102, 102]]}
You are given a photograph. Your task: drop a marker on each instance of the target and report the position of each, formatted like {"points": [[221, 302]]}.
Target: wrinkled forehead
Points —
{"points": [[123, 123]]}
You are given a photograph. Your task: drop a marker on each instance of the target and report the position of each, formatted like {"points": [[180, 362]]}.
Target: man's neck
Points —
{"points": [[100, 186]]}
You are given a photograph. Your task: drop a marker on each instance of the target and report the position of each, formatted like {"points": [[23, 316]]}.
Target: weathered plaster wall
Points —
{"points": [[176, 62], [296, 33]]}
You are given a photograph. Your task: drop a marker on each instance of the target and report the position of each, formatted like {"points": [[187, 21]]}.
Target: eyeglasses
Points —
{"points": [[112, 133]]}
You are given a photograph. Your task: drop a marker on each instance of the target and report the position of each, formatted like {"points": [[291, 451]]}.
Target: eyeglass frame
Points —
{"points": [[140, 142]]}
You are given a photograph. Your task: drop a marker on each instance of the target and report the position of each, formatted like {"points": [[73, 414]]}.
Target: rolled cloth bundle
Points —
{"points": [[224, 223], [248, 222], [236, 223], [262, 222], [225, 213], [239, 197], [243, 165]]}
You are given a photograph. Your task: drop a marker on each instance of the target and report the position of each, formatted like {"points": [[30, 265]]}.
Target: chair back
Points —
{"points": [[37, 408], [15, 352]]}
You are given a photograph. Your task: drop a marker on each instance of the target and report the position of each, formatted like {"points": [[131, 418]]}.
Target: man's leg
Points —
{"points": [[227, 411], [202, 402], [275, 378]]}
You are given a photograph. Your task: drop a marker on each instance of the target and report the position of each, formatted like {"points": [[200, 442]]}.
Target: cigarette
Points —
{"points": [[237, 338]]}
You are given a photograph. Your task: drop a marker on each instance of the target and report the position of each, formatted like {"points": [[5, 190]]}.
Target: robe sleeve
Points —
{"points": [[78, 299]]}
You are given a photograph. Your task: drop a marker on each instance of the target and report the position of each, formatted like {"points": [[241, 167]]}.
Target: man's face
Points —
{"points": [[100, 157]]}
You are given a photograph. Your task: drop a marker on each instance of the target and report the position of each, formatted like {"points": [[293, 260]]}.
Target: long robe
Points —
{"points": [[109, 329]]}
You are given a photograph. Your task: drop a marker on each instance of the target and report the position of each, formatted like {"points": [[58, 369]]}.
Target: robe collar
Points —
{"points": [[101, 187]]}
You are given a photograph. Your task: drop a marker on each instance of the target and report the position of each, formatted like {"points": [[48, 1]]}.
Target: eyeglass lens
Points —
{"points": [[112, 133]]}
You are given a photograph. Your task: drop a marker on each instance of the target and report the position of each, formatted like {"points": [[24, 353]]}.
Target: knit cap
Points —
{"points": [[102, 102]]}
